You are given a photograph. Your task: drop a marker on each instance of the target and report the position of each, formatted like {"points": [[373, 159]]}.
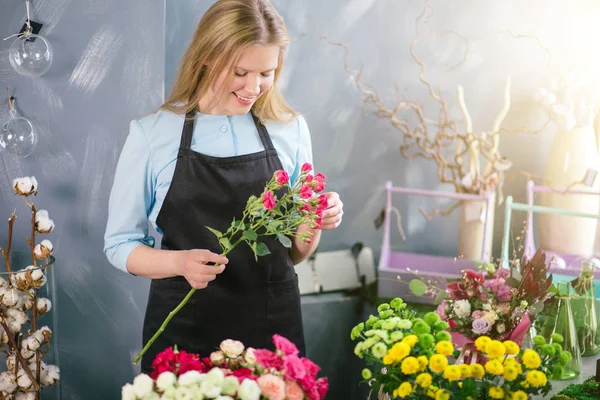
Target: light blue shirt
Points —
{"points": [[147, 163]]}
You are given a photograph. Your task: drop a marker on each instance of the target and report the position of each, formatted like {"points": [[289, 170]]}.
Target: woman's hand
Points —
{"points": [[332, 216], [195, 267]]}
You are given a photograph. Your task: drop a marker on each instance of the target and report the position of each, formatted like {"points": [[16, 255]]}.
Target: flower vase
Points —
{"points": [[472, 227], [572, 155], [559, 319], [585, 311]]}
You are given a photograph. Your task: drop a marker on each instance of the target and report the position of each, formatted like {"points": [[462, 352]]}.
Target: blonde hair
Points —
{"points": [[224, 32]]}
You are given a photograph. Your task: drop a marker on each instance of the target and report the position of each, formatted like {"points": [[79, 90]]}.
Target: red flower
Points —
{"points": [[268, 200], [452, 323], [318, 183], [307, 167], [311, 368], [323, 202], [320, 177], [190, 362], [322, 386], [467, 287], [244, 373], [306, 192], [282, 177], [285, 345], [304, 207], [307, 383], [308, 178], [268, 359]]}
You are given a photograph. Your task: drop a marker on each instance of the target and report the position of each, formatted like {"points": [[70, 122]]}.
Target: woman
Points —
{"points": [[183, 174]]}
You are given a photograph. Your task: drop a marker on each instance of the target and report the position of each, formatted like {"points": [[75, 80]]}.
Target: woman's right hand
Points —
{"points": [[199, 267]]}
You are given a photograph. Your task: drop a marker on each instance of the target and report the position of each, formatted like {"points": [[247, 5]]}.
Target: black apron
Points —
{"points": [[250, 301]]}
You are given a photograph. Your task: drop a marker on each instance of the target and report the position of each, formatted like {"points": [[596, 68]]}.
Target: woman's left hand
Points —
{"points": [[332, 216]]}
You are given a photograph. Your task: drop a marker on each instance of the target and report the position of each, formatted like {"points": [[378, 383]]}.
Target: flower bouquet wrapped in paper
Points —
{"points": [[231, 373], [412, 358]]}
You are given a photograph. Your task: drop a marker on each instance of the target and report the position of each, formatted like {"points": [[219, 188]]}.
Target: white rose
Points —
{"points": [[232, 348], [462, 308], [128, 392], [230, 385], [183, 393], [43, 223], [189, 378], [491, 316], [25, 186], [43, 249], [142, 385], [215, 376], [249, 357], [501, 328], [217, 358], [166, 380], [209, 389], [249, 390]]}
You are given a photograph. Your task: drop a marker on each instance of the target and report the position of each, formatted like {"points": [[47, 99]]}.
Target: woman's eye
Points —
{"points": [[266, 75], [238, 74]]}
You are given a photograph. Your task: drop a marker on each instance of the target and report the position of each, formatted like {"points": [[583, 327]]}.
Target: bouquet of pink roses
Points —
{"points": [[231, 373]]}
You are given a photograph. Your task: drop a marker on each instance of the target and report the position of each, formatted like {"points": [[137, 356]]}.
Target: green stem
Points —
{"points": [[176, 310]]}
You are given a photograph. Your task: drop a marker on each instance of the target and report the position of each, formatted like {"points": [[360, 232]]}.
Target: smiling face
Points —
{"points": [[252, 76]]}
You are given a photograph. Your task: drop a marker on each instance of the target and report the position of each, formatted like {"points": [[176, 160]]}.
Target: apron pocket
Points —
{"points": [[284, 312]]}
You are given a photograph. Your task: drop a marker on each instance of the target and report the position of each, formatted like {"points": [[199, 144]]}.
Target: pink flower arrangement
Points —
{"points": [[249, 374]]}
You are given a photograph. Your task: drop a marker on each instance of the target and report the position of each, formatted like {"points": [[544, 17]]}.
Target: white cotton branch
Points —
{"points": [[44, 305], [15, 319], [8, 382], [43, 223], [23, 380], [49, 375], [11, 297], [25, 186], [43, 249]]}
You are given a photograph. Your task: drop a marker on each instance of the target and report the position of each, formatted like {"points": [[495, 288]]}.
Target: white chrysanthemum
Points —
{"points": [[210, 390], [151, 396], [43, 305], [43, 223], [224, 398], [169, 393], [249, 390], [189, 378], [25, 186], [230, 385], [8, 382], [43, 249], [184, 393], [215, 376], [166, 380], [142, 385], [128, 392], [232, 348], [462, 308]]}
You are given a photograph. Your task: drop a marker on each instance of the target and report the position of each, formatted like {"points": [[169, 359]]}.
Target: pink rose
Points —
{"points": [[504, 308], [308, 382], [308, 178], [293, 391], [306, 192], [477, 314], [442, 310], [294, 369], [282, 177], [504, 293], [268, 200], [318, 186], [313, 394], [322, 386], [307, 167], [323, 202], [484, 297], [310, 367], [320, 177], [268, 359], [272, 387], [285, 346]]}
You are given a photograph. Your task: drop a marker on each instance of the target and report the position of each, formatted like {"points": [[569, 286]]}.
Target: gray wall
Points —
{"points": [[110, 67]]}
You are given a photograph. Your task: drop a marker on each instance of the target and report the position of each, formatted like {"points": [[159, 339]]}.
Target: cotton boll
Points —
{"points": [[46, 332], [43, 223], [11, 297], [8, 382], [20, 280], [11, 360], [44, 305], [17, 315], [25, 396], [43, 249], [23, 380], [25, 186], [49, 375]]}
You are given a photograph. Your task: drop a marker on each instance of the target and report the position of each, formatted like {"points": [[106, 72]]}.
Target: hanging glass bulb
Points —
{"points": [[18, 136], [30, 55]]}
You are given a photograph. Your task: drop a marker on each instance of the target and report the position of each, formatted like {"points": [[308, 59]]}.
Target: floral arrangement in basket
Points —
{"points": [[278, 211], [496, 302], [21, 339], [233, 372], [414, 358]]}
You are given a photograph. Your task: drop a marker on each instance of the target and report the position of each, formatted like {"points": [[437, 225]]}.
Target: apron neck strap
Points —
{"points": [[263, 133]]}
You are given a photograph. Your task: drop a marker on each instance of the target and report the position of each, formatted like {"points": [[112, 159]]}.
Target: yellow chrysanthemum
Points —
{"points": [[444, 347], [423, 361], [431, 391], [496, 392], [442, 395], [511, 347], [396, 354], [410, 340], [465, 371], [477, 371], [438, 362], [409, 366], [519, 395], [511, 372], [494, 367], [424, 380], [495, 349], [404, 390], [531, 359], [481, 342], [452, 373], [536, 378]]}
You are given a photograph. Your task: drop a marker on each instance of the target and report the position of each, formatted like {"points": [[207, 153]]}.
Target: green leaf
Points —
{"points": [[440, 296], [284, 240], [253, 247], [418, 287], [262, 249], [216, 232], [250, 234], [274, 226], [225, 243]]}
